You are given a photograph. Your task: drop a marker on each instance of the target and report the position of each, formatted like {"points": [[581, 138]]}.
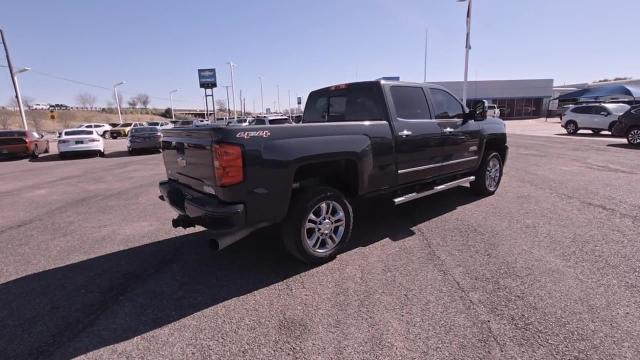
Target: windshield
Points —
{"points": [[9, 134], [145, 130], [125, 125], [78, 132], [619, 108]]}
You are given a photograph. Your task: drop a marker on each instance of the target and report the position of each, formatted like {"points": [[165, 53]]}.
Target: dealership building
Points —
{"points": [[516, 99]]}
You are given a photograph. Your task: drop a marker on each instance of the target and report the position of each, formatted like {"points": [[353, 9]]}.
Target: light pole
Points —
{"points": [[278, 89], [171, 102], [14, 79], [467, 48], [19, 96], [289, 110], [228, 113], [261, 96], [233, 92], [426, 48], [115, 94]]}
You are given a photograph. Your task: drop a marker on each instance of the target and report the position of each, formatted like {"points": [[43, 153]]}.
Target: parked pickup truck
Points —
{"points": [[399, 139]]}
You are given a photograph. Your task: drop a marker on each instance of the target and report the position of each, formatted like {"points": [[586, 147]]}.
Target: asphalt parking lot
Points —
{"points": [[549, 267]]}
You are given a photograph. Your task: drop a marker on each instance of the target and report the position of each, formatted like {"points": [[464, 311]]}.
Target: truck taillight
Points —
{"points": [[227, 162]]}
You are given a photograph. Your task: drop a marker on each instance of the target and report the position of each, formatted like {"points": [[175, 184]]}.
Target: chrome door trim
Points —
{"points": [[404, 171]]}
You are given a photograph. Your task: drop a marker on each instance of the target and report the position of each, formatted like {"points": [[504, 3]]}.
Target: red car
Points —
{"points": [[21, 142]]}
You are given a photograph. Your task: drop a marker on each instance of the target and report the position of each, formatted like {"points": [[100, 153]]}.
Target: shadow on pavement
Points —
{"points": [[56, 157], [589, 135], [624, 146], [81, 307]]}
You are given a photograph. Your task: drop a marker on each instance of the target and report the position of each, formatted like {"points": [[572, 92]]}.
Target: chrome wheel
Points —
{"points": [[634, 137], [492, 174], [572, 128], [325, 226]]}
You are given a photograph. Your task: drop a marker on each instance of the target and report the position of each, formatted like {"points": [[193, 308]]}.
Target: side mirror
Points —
{"points": [[478, 111], [604, 113]]}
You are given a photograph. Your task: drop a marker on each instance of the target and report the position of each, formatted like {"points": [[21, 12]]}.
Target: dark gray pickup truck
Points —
{"points": [[399, 139]]}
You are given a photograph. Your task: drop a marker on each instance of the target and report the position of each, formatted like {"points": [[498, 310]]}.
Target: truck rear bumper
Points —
{"points": [[201, 209]]}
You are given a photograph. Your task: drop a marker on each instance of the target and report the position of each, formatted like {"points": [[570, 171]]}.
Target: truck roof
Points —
{"points": [[392, 82]]}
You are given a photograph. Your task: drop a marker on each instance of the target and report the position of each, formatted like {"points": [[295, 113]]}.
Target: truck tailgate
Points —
{"points": [[188, 158]]}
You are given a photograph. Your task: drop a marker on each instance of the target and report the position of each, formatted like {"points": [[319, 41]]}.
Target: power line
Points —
{"points": [[78, 82]]}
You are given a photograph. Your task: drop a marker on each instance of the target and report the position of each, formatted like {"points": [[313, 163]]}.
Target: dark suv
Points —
{"points": [[628, 125]]}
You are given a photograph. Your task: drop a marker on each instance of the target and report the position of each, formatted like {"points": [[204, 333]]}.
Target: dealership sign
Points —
{"points": [[207, 78]]}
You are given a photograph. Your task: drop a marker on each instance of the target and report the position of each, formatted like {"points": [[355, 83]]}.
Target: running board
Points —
{"points": [[414, 196]]}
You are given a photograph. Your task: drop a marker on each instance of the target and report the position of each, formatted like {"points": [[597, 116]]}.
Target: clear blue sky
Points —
{"points": [[157, 45]]}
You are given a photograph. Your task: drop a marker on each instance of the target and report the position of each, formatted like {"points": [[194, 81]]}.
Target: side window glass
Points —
{"points": [[446, 106], [410, 103], [259, 122]]}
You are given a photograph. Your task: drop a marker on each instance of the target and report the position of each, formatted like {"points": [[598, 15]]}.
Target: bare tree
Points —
{"points": [[4, 120], [221, 104], [144, 100], [86, 100], [133, 102], [27, 101]]}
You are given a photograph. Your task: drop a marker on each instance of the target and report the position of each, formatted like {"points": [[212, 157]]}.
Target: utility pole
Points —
{"points": [[241, 112], [233, 92], [14, 79]]}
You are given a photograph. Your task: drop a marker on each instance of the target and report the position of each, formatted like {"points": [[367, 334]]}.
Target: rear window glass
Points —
{"points": [[10, 134], [78, 132], [278, 121], [619, 108], [410, 103], [146, 129], [353, 102]]}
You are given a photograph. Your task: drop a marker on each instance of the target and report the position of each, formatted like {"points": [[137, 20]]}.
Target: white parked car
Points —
{"points": [[39, 107], [160, 124], [493, 111], [594, 117], [80, 141], [101, 129]]}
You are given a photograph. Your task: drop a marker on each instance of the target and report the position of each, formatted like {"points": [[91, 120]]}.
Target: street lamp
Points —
{"points": [[115, 93], [171, 102], [261, 96], [233, 92], [14, 79], [19, 96], [467, 48], [279, 109]]}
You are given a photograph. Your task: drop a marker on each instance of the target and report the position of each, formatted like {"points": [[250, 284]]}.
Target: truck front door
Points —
{"points": [[430, 143]]}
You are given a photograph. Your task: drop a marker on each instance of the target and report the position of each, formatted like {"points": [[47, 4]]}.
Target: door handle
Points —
{"points": [[405, 133], [447, 131]]}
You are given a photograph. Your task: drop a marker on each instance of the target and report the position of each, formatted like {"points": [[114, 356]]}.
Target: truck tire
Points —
{"points": [[488, 175], [318, 224]]}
